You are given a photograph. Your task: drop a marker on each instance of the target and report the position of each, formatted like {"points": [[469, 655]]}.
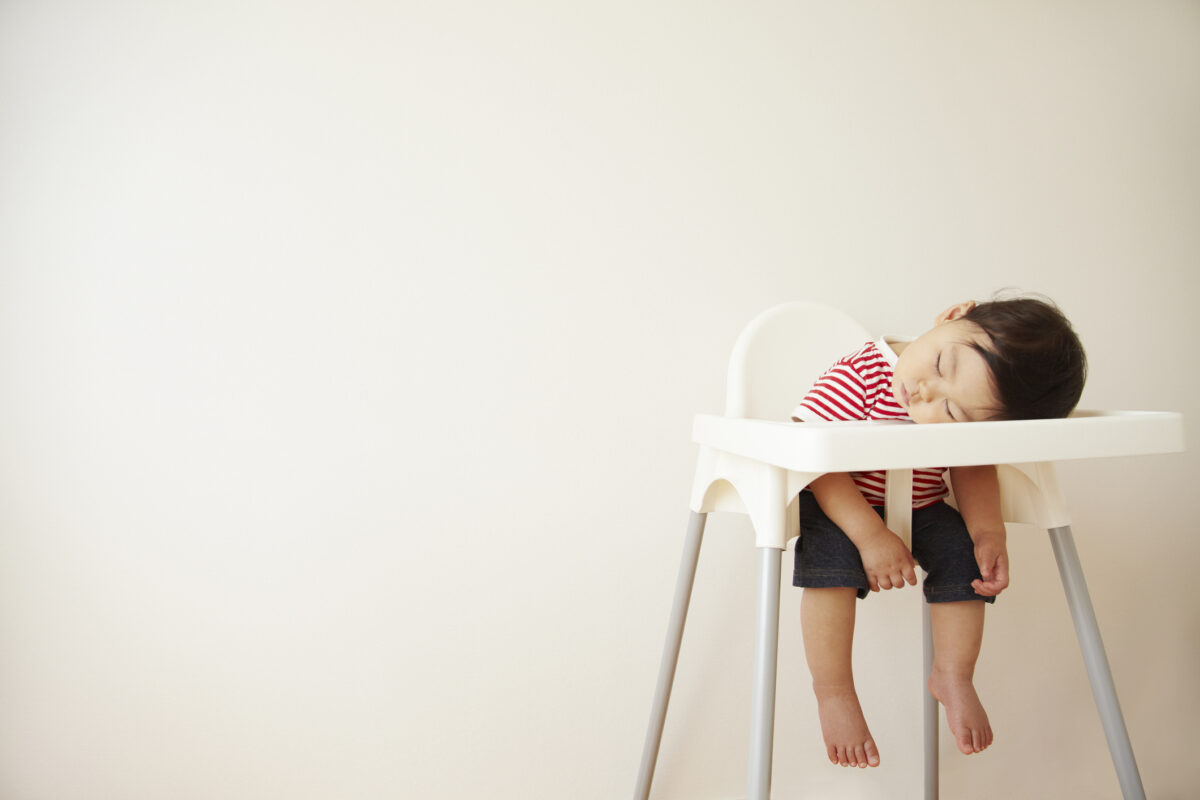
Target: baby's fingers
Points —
{"points": [[993, 587], [985, 588], [897, 578], [1001, 575], [990, 588]]}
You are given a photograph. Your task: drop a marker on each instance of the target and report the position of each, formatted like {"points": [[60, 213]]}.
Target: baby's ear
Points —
{"points": [[956, 311]]}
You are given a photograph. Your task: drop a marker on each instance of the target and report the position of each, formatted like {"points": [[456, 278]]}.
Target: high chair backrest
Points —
{"points": [[781, 352]]}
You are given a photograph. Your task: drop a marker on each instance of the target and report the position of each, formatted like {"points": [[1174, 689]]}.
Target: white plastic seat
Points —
{"points": [[753, 462]]}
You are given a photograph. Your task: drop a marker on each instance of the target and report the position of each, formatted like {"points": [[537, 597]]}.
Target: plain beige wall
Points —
{"points": [[350, 350]]}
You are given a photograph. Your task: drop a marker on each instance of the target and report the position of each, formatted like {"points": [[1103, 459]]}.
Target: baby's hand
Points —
{"points": [[887, 562], [991, 554]]}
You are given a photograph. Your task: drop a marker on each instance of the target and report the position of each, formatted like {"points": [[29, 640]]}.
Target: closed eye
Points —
{"points": [[937, 365]]}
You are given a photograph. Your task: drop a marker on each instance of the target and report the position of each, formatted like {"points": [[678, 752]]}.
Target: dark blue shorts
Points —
{"points": [[825, 557]]}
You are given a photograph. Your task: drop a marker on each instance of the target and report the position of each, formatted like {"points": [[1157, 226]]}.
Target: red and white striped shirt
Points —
{"points": [[859, 387]]}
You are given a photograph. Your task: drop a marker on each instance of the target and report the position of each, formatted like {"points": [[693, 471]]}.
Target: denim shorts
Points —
{"points": [[825, 557]]}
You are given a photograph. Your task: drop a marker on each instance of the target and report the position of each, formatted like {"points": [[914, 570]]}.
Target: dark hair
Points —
{"points": [[1036, 361]]}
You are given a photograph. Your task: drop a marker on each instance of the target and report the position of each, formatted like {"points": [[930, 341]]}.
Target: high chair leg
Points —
{"points": [[1094, 658], [670, 656], [930, 705], [766, 657]]}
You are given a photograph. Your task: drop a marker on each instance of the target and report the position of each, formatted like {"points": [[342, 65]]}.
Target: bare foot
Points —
{"points": [[847, 740], [964, 713]]}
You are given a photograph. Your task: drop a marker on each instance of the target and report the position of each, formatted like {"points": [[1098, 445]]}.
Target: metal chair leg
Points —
{"points": [[670, 656], [1094, 658], [930, 706], [766, 657]]}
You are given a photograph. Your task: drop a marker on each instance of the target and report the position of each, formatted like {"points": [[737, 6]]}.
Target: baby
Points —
{"points": [[1006, 359]]}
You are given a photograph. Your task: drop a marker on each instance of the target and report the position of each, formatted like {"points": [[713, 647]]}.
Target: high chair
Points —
{"points": [[754, 463]]}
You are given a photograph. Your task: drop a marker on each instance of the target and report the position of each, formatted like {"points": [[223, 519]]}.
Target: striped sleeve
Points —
{"points": [[838, 395]]}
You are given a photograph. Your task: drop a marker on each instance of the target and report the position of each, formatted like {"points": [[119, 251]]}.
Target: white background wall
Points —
{"points": [[349, 353]]}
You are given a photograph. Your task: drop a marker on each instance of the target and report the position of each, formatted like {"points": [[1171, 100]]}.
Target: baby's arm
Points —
{"points": [[977, 491], [886, 560]]}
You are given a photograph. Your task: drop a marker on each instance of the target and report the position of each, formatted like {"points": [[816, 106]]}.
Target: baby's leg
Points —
{"points": [[827, 617], [957, 636]]}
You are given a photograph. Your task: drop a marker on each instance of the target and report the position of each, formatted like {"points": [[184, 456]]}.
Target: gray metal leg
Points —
{"points": [[930, 707], [670, 656], [766, 657], [1084, 617]]}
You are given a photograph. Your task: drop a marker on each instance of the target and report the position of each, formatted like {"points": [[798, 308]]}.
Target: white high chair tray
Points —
{"points": [[820, 447]]}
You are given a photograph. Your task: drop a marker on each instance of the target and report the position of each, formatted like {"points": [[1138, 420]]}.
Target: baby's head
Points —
{"points": [[1004, 359]]}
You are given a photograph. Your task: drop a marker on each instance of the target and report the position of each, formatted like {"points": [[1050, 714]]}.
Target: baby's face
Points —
{"points": [[941, 378]]}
